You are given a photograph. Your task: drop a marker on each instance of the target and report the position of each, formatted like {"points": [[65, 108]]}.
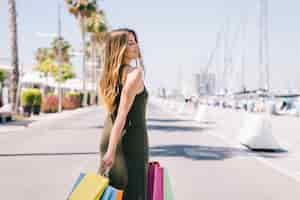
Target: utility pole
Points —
{"points": [[14, 79], [21, 74], [59, 60]]}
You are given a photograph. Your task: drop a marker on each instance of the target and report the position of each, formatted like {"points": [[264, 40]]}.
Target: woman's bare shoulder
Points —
{"points": [[132, 74], [132, 79]]}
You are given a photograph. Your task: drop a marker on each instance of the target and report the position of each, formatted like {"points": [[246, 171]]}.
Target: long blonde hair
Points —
{"points": [[113, 57]]}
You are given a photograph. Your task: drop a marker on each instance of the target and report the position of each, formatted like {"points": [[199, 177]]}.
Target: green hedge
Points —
{"points": [[27, 97], [74, 95], [37, 101], [3, 75], [31, 96]]}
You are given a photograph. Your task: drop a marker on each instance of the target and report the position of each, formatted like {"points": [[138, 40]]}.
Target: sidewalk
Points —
{"points": [[228, 123], [198, 161], [212, 152], [37, 120]]}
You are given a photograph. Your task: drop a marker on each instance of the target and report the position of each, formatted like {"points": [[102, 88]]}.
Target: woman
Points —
{"points": [[124, 141]]}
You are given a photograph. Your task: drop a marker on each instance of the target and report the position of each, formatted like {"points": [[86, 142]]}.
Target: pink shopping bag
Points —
{"points": [[155, 181]]}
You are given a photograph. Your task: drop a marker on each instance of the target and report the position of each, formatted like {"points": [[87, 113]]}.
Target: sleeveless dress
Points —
{"points": [[129, 171]]}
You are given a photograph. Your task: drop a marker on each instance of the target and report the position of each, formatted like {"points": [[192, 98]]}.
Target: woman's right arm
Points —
{"points": [[130, 89]]}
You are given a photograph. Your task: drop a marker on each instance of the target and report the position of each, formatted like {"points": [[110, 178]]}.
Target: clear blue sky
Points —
{"points": [[173, 34]]}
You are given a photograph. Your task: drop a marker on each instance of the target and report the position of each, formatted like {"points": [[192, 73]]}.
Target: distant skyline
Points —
{"points": [[173, 34]]}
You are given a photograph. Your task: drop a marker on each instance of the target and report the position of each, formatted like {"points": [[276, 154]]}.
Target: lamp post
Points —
{"points": [[59, 61]]}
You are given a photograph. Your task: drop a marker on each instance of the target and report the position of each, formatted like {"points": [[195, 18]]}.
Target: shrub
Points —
{"points": [[89, 99], [81, 98], [3, 76], [27, 97], [74, 94], [37, 100], [50, 104], [71, 101]]}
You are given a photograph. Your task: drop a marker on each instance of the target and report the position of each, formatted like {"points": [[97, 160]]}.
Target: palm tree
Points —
{"points": [[43, 54], [82, 10], [46, 57], [65, 49], [45, 67], [14, 54], [97, 27], [66, 70]]}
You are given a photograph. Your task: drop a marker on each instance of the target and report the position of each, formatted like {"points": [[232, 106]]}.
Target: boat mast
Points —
{"points": [[264, 79]]}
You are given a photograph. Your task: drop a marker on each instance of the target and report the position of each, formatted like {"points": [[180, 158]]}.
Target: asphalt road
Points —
{"points": [[204, 160]]}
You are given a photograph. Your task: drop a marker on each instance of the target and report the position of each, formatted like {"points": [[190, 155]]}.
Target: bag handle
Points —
{"points": [[106, 172]]}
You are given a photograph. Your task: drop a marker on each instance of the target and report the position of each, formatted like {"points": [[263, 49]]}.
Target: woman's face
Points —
{"points": [[132, 49]]}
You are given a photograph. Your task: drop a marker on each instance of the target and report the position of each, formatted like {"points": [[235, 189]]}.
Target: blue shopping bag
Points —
{"points": [[109, 194], [78, 180]]}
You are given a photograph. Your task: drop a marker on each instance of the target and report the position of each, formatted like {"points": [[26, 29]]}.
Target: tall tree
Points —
{"points": [[66, 72], [65, 49], [14, 53], [82, 10], [44, 58], [45, 67], [97, 27], [46, 61], [43, 54]]}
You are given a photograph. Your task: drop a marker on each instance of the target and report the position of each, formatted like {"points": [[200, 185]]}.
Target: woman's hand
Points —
{"points": [[108, 159]]}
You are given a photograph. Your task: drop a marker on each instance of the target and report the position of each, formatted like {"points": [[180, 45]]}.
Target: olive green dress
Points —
{"points": [[129, 171]]}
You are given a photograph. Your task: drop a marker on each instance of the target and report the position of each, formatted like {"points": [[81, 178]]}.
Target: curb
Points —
{"points": [[46, 118]]}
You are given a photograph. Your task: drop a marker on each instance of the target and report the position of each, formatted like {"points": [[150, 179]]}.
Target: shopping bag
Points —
{"points": [[168, 193], [158, 184], [78, 180], [151, 167], [155, 181], [109, 194], [120, 195], [112, 193], [89, 187]]}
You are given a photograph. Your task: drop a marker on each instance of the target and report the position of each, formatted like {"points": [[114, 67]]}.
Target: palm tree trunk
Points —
{"points": [[100, 65], [14, 53], [100, 58], [84, 77], [94, 65]]}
